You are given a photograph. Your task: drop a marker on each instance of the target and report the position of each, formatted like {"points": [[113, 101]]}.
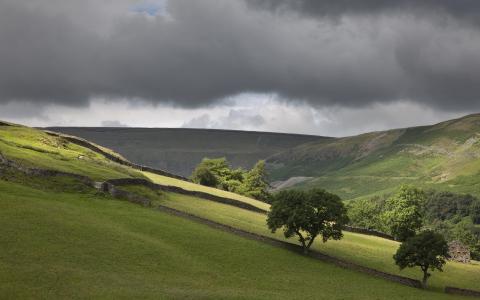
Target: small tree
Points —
{"points": [[255, 184], [427, 250], [403, 216], [307, 214]]}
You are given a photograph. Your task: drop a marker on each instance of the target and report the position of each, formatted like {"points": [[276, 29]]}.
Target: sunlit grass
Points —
{"points": [[365, 250], [164, 180], [68, 245], [34, 148]]}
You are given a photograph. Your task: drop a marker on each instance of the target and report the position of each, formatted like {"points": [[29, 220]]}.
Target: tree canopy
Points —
{"points": [[402, 215], [217, 173], [308, 214], [455, 216], [254, 183], [427, 250]]}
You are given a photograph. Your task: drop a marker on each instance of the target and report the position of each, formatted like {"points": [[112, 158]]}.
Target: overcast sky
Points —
{"points": [[334, 68]]}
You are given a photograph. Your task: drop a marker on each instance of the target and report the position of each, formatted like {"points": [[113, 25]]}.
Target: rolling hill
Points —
{"points": [[179, 150], [445, 156], [62, 237], [60, 243]]}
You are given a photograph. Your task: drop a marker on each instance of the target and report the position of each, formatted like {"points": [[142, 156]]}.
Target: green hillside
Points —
{"points": [[61, 238], [179, 150], [365, 250], [35, 148], [69, 245], [444, 156]]}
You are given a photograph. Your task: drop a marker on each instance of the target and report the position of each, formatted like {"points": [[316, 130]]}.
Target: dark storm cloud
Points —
{"points": [[200, 51], [465, 10]]}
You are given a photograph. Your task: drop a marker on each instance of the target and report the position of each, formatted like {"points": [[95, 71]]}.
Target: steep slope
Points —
{"points": [[369, 251], [441, 156], [65, 244], [180, 150], [33, 148], [62, 238]]}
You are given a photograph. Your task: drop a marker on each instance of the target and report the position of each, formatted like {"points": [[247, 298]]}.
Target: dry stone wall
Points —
{"points": [[368, 232], [178, 190], [110, 187], [88, 145], [462, 292], [296, 248]]}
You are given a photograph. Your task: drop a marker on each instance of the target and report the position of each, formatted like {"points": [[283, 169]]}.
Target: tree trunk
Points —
{"points": [[310, 242], [425, 277], [302, 240]]}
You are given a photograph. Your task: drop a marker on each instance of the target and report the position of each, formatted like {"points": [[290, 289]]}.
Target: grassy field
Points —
{"points": [[84, 245], [164, 180], [362, 249], [35, 148], [61, 239]]}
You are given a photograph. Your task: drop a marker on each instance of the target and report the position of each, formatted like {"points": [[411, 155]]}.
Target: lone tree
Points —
{"points": [[427, 250], [402, 216], [308, 214]]}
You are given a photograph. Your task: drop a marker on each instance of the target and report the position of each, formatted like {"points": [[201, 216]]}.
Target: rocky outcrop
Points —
{"points": [[459, 252]]}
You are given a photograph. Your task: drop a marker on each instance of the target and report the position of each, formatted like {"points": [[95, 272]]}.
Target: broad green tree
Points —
{"points": [[307, 215], [364, 213], [402, 215], [427, 250]]}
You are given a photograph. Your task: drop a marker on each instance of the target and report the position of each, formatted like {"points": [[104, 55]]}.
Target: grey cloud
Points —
{"points": [[202, 121], [113, 123], [235, 118], [205, 50], [463, 10]]}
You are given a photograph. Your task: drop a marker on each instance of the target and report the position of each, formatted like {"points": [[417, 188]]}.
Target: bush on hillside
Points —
{"points": [[217, 173], [254, 184], [204, 176]]}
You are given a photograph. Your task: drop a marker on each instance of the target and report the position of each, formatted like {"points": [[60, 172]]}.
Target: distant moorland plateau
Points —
{"points": [[444, 156]]}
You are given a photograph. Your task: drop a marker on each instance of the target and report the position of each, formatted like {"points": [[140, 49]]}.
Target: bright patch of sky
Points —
{"points": [[257, 112], [151, 8]]}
